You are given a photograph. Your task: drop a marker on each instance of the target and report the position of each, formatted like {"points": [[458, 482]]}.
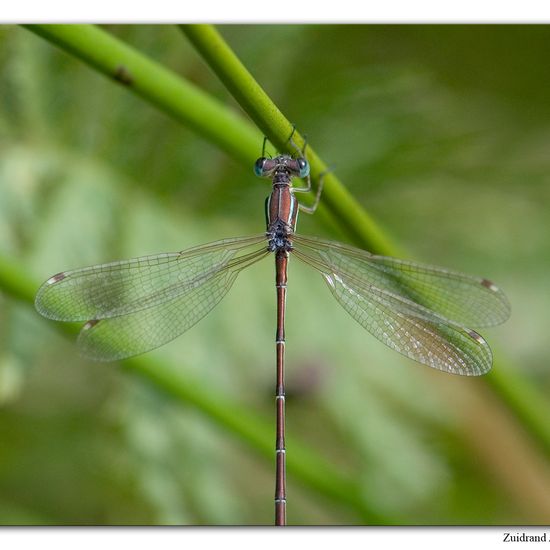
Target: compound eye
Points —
{"points": [[259, 167], [303, 165], [265, 167]]}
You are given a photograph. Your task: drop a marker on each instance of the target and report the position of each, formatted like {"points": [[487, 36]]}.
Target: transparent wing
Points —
{"points": [[128, 286], [124, 336], [466, 300], [381, 294]]}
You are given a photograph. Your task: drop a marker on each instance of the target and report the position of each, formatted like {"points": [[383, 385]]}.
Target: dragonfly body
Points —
{"points": [[423, 312], [281, 215], [281, 206]]}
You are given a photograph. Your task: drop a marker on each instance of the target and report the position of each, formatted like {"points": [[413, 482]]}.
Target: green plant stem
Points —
{"points": [[213, 121], [351, 217], [529, 404], [159, 86]]}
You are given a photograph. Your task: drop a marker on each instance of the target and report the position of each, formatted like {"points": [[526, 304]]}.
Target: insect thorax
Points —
{"points": [[279, 237]]}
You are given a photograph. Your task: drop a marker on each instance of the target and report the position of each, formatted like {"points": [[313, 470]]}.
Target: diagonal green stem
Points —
{"points": [[157, 85], [339, 203]]}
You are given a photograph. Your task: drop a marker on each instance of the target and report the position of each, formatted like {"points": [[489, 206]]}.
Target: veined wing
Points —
{"points": [[376, 294], [466, 300], [146, 329], [128, 286]]}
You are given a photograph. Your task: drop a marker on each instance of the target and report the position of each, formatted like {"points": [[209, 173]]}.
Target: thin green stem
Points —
{"points": [[337, 201]]}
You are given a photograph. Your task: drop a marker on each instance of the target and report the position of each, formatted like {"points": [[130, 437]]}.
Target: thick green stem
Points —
{"points": [[157, 85], [520, 395]]}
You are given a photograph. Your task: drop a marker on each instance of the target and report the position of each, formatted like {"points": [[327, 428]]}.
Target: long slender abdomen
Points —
{"points": [[281, 261]]}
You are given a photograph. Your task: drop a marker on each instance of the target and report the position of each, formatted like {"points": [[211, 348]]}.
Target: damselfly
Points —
{"points": [[424, 312]]}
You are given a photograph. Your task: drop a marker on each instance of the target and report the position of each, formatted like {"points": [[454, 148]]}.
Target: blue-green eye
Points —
{"points": [[259, 167], [304, 168]]}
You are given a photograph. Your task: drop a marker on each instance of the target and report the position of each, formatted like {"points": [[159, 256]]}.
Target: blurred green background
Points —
{"points": [[441, 132]]}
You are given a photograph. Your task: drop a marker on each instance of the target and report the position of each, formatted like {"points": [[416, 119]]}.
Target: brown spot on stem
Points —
{"points": [[90, 324], [123, 75]]}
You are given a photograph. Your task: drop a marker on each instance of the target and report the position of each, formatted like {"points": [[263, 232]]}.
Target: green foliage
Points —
{"points": [[428, 131]]}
